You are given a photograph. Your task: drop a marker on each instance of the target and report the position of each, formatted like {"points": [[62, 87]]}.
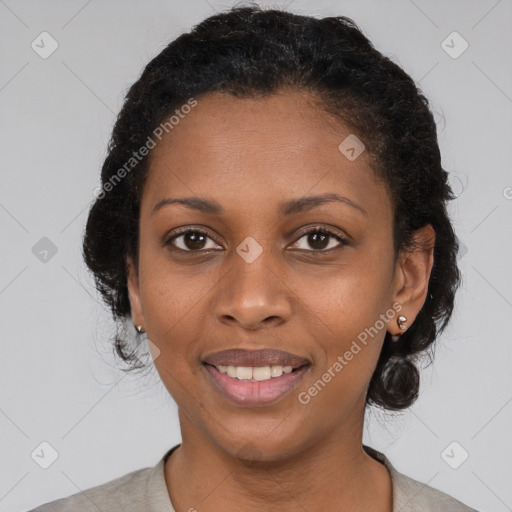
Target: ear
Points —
{"points": [[134, 293], [412, 275]]}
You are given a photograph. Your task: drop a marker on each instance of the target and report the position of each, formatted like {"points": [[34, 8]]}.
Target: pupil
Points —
{"points": [[195, 239], [318, 238]]}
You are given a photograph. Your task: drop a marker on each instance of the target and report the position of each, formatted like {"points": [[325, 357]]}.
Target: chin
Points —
{"points": [[259, 448]]}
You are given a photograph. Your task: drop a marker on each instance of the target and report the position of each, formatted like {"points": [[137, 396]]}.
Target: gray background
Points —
{"points": [[58, 382]]}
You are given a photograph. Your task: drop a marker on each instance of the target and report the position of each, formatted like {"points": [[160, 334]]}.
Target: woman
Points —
{"points": [[273, 216]]}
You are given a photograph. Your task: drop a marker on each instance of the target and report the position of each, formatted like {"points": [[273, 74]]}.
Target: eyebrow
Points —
{"points": [[286, 208]]}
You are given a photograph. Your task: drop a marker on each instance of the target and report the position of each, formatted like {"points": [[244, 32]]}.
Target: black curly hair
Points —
{"points": [[253, 52]]}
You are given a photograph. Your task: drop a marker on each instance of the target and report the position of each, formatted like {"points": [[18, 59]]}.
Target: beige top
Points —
{"points": [[145, 490]]}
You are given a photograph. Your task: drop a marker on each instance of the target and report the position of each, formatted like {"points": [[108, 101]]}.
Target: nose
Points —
{"points": [[254, 295]]}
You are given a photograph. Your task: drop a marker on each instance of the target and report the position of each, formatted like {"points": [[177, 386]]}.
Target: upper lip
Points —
{"points": [[261, 357]]}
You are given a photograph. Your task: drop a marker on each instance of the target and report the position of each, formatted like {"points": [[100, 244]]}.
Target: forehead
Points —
{"points": [[288, 121], [273, 146]]}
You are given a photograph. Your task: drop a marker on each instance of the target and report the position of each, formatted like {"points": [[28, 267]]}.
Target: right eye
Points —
{"points": [[189, 240]]}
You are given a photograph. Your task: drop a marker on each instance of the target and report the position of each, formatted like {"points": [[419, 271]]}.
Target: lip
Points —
{"points": [[248, 393], [261, 357]]}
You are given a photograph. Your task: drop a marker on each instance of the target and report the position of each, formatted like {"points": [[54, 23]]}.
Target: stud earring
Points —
{"points": [[401, 322], [139, 329]]}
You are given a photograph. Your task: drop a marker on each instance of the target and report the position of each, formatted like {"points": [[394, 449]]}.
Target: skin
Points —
{"points": [[249, 155]]}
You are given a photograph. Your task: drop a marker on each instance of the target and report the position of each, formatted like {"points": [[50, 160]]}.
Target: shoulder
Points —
{"points": [[414, 496], [142, 489], [410, 495], [125, 493]]}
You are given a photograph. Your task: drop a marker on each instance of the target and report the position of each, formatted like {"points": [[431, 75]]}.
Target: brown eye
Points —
{"points": [[319, 240], [191, 240]]}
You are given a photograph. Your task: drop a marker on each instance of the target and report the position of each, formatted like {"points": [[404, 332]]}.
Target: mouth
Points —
{"points": [[255, 385], [256, 373], [240, 357]]}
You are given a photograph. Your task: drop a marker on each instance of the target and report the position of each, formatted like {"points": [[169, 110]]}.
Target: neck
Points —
{"points": [[332, 472]]}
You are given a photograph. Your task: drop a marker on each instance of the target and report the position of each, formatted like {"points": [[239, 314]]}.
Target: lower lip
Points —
{"points": [[246, 392]]}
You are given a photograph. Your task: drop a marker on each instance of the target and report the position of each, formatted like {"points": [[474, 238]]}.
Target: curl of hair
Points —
{"points": [[253, 52]]}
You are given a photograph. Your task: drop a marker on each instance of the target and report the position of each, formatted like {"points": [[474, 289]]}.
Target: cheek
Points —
{"points": [[349, 298], [174, 308], [347, 352], [170, 291], [343, 315]]}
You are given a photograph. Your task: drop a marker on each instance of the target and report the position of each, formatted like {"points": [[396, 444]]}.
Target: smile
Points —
{"points": [[260, 385]]}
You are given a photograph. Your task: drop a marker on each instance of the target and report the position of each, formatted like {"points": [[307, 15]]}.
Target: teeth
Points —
{"points": [[257, 373], [261, 373], [243, 372], [276, 371]]}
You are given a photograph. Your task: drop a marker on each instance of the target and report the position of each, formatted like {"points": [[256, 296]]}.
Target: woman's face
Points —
{"points": [[253, 278]]}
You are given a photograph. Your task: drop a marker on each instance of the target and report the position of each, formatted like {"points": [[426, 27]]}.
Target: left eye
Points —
{"points": [[318, 238]]}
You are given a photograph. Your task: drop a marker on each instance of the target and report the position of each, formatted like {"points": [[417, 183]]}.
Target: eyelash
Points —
{"points": [[317, 229]]}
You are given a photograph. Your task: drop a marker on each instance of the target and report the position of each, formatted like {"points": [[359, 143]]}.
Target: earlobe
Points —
{"points": [[412, 277]]}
